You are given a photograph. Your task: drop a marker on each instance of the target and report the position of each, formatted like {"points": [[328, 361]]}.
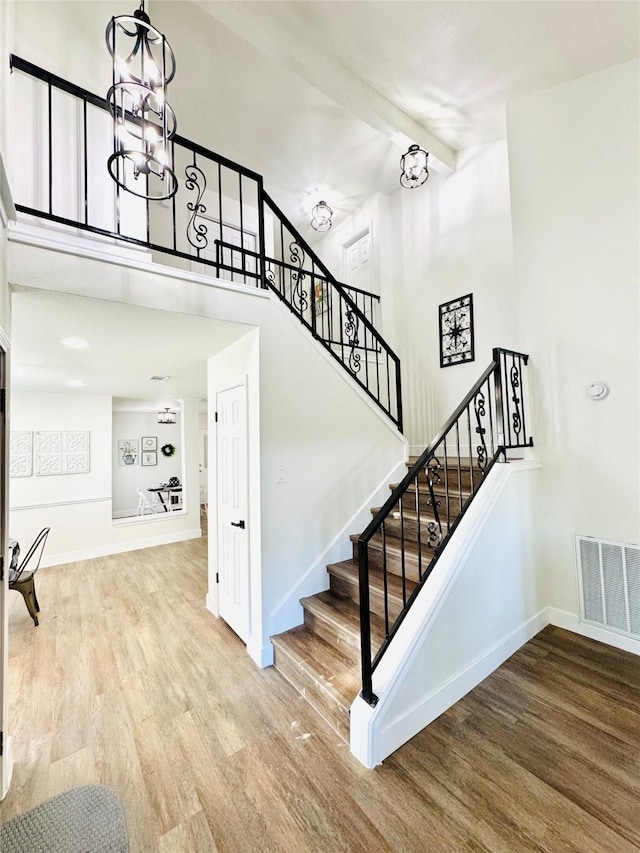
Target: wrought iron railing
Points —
{"points": [[220, 219], [401, 546]]}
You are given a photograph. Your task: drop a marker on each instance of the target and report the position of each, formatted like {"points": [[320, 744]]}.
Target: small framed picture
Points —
{"points": [[149, 442], [149, 457]]}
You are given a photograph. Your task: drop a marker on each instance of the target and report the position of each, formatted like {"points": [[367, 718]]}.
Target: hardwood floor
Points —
{"points": [[130, 682]]}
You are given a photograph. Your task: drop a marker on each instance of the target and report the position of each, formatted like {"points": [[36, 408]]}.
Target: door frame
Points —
{"points": [[6, 763]]}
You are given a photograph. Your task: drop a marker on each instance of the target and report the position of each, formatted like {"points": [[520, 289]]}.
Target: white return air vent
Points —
{"points": [[609, 581]]}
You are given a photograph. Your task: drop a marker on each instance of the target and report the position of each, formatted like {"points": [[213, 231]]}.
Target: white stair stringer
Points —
{"points": [[480, 605]]}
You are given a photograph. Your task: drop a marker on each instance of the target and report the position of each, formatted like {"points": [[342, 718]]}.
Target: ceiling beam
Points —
{"points": [[285, 42]]}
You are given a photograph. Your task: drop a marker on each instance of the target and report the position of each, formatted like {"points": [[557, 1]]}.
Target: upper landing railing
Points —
{"points": [[220, 220]]}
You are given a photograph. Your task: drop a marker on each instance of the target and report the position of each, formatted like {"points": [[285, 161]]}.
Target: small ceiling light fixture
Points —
{"points": [[166, 416], [321, 217], [143, 122], [75, 343], [414, 167]]}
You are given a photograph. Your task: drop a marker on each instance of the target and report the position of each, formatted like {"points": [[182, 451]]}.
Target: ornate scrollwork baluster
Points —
{"points": [[351, 334], [516, 418], [432, 473], [196, 231], [479, 407], [299, 298]]}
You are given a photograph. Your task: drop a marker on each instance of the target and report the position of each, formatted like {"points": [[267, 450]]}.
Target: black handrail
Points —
{"points": [[432, 498], [340, 317], [334, 318]]}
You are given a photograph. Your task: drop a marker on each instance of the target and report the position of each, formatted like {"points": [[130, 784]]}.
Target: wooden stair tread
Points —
{"points": [[426, 515], [343, 614], [334, 674], [394, 545], [348, 570]]}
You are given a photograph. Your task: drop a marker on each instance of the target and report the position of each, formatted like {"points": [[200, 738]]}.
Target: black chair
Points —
{"points": [[22, 578]]}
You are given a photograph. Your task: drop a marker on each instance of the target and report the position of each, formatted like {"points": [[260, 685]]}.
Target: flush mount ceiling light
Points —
{"points": [[413, 167], [143, 122], [75, 343], [321, 217], [166, 416]]}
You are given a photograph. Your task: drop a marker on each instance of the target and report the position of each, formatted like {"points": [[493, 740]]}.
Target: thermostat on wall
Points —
{"points": [[597, 390]]}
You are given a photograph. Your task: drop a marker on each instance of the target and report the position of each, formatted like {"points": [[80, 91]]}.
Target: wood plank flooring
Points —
{"points": [[130, 682]]}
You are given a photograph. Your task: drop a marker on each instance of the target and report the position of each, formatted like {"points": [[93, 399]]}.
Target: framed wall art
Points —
{"points": [[456, 331], [149, 457], [149, 442], [128, 451]]}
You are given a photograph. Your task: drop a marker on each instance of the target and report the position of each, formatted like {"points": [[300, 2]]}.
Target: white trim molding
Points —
{"points": [[572, 622], [8, 211]]}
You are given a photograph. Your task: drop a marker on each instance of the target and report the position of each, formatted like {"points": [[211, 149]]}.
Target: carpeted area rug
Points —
{"points": [[84, 820]]}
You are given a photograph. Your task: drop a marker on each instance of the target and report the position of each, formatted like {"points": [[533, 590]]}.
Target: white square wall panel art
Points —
{"points": [[21, 454], [64, 452]]}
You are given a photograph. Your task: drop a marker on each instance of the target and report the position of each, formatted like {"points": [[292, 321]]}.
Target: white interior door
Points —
{"points": [[232, 506], [358, 263]]}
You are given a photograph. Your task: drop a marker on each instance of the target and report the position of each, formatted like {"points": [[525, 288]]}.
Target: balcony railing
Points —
{"points": [[220, 220]]}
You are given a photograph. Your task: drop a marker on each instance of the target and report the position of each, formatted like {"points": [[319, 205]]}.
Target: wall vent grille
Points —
{"points": [[609, 581]]}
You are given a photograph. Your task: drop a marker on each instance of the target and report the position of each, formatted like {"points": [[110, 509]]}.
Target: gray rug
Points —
{"points": [[84, 820]]}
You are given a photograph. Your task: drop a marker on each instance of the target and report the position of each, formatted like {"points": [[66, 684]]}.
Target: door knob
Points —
{"points": [[238, 524]]}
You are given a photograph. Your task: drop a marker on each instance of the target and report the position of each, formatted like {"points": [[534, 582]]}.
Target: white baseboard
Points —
{"points": [[262, 656], [119, 548], [6, 767], [211, 603], [572, 622], [414, 719]]}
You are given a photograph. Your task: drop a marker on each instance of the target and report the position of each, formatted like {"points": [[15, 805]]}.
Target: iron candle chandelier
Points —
{"points": [[143, 122], [414, 167], [166, 416], [321, 217]]}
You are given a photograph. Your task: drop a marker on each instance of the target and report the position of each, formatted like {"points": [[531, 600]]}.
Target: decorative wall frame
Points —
{"points": [[62, 452], [149, 457], [149, 442], [21, 453], [128, 451], [456, 331]]}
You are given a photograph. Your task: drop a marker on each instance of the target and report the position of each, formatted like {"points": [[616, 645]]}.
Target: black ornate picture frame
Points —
{"points": [[456, 331]]}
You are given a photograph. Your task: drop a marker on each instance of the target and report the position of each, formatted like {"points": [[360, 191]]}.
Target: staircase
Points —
{"points": [[332, 656], [321, 657]]}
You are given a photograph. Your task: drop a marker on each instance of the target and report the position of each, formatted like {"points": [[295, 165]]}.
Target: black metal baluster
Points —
{"points": [[173, 200], [242, 246], [507, 380], [524, 424], [403, 558], [262, 249], [470, 445], [419, 523], [50, 148], [365, 625], [385, 579], [221, 260], [85, 171], [497, 386], [446, 481], [399, 421], [493, 444], [459, 464]]}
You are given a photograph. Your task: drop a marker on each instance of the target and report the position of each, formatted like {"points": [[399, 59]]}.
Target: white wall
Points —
{"points": [[452, 236], [78, 507], [575, 178], [127, 479]]}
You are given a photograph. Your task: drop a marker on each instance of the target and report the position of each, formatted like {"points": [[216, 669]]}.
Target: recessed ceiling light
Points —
{"points": [[75, 343], [75, 383]]}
